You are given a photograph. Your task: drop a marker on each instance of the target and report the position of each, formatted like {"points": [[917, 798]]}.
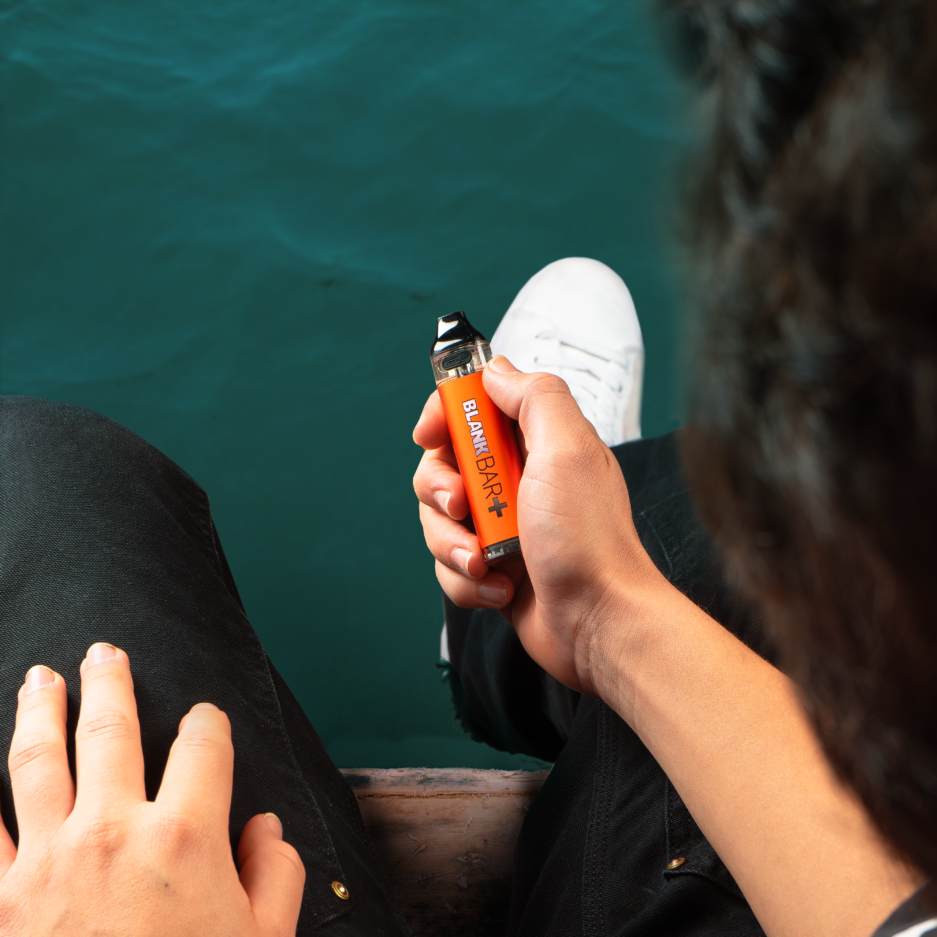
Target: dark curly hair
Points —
{"points": [[814, 449]]}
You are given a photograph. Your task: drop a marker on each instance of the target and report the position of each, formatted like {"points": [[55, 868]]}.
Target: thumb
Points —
{"points": [[541, 403], [272, 874]]}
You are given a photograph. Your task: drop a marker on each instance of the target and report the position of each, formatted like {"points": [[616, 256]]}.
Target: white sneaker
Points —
{"points": [[576, 319]]}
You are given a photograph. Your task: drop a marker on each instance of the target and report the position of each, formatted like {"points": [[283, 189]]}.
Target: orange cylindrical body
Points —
{"points": [[489, 460]]}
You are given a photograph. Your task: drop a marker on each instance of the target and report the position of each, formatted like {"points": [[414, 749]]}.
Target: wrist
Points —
{"points": [[637, 613]]}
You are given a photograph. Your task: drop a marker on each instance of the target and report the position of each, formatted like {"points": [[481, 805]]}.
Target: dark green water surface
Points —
{"points": [[230, 227]]}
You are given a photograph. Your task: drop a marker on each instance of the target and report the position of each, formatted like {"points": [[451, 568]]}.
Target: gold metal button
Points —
{"points": [[341, 890], [675, 863]]}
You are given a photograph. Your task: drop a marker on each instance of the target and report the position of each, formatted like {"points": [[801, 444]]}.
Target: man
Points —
{"points": [[104, 540]]}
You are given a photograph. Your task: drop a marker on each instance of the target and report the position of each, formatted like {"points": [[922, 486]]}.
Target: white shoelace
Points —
{"points": [[601, 380]]}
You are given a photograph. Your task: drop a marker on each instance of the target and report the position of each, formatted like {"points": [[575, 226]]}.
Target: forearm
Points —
{"points": [[590, 607], [729, 731]]}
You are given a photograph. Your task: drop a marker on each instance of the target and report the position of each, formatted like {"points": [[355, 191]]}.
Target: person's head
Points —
{"points": [[814, 453]]}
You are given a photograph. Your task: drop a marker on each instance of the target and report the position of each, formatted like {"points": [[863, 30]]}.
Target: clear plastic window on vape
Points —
{"points": [[460, 361]]}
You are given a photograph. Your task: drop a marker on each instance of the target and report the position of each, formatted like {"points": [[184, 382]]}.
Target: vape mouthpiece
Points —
{"points": [[455, 329]]}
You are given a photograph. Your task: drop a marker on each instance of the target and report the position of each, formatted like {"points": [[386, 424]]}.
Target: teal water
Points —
{"points": [[230, 227]]}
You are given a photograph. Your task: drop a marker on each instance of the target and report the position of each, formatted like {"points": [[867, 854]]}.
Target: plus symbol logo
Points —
{"points": [[496, 505]]}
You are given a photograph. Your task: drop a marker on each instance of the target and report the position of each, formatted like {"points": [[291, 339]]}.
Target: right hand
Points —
{"points": [[592, 609], [584, 567], [106, 862]]}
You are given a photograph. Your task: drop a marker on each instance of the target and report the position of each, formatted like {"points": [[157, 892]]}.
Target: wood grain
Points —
{"points": [[446, 839]]}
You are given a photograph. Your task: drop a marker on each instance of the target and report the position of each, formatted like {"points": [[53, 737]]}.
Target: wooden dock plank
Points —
{"points": [[446, 839]]}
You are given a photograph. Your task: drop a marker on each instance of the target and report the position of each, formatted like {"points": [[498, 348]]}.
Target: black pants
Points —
{"points": [[102, 538], [594, 850]]}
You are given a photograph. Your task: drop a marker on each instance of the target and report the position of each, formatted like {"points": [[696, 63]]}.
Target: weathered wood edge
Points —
{"points": [[440, 782]]}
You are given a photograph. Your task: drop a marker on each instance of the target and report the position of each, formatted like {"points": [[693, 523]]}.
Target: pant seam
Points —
{"points": [[206, 526]]}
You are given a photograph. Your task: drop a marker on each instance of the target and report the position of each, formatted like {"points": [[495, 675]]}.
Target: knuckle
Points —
{"points": [[112, 723], [101, 839], [435, 529], [579, 456], [110, 672], [426, 476], [200, 741], [591, 453], [454, 585], [422, 467], [427, 515], [26, 751], [289, 861], [544, 383], [178, 833]]}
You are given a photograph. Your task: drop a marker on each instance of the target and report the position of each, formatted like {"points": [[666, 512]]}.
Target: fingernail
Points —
{"points": [[460, 559], [494, 593], [273, 821], [203, 706], [99, 653], [442, 500], [500, 365], [38, 677]]}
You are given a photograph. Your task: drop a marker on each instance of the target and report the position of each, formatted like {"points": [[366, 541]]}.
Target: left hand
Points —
{"points": [[102, 861]]}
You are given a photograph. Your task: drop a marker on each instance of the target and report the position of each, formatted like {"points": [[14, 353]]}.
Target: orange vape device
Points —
{"points": [[482, 437]]}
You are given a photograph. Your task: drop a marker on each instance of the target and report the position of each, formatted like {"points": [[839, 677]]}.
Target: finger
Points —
{"points": [[43, 792], [541, 403], [439, 485], [198, 774], [452, 543], [108, 753], [7, 849], [272, 874], [431, 431], [493, 590]]}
